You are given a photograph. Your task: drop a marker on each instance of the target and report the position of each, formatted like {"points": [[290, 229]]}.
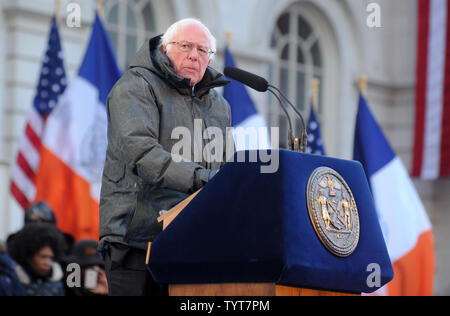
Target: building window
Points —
{"points": [[129, 23], [299, 60]]}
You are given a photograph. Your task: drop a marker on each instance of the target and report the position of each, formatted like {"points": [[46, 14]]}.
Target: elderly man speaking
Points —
{"points": [[169, 84]]}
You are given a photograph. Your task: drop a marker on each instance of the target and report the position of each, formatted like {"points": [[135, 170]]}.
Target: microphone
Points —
{"points": [[260, 84]]}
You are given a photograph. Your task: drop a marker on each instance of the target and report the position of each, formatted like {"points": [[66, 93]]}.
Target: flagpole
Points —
{"points": [[57, 11], [315, 94], [100, 8], [228, 38], [363, 85]]}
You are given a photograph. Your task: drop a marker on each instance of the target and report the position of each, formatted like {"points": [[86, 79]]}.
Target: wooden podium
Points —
{"points": [[249, 233], [231, 289]]}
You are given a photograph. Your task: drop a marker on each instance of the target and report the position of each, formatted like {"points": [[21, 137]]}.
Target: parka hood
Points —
{"points": [[152, 58]]}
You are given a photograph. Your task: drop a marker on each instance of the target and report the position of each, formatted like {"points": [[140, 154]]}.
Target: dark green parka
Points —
{"points": [[140, 178]]}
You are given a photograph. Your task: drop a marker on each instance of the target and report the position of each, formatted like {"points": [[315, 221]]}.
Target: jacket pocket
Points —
{"points": [[136, 219], [114, 171], [143, 224]]}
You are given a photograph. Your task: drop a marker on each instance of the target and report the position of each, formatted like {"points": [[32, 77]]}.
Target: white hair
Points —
{"points": [[174, 28]]}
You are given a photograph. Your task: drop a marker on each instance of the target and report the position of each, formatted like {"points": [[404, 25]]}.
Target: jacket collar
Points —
{"points": [[26, 276]]}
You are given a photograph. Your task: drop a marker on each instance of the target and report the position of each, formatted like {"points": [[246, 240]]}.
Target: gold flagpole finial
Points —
{"points": [[315, 93], [228, 38], [100, 8], [57, 10], [363, 85]]}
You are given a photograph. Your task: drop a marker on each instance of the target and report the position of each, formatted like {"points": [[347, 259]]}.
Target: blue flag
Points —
{"points": [[371, 147], [315, 142], [236, 94], [99, 65], [251, 128]]}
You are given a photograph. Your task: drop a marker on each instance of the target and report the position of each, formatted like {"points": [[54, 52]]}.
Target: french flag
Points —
{"points": [[402, 216], [75, 140]]}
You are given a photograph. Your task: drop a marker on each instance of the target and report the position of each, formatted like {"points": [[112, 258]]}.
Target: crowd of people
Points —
{"points": [[34, 261]]}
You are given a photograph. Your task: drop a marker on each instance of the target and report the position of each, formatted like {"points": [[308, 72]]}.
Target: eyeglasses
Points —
{"points": [[187, 47]]}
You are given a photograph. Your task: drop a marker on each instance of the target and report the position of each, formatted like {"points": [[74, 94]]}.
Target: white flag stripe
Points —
{"points": [[76, 128], [30, 153], [35, 121], [244, 140], [401, 213], [435, 89], [23, 183], [71, 116]]}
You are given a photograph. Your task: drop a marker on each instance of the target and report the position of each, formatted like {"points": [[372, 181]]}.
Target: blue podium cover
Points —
{"points": [[247, 226]]}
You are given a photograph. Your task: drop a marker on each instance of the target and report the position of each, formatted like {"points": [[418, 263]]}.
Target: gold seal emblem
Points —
{"points": [[333, 212]]}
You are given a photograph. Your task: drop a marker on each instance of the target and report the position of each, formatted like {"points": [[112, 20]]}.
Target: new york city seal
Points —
{"points": [[333, 212]]}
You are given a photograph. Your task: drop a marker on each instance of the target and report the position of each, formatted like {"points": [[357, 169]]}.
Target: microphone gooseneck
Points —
{"points": [[290, 132], [260, 84], [304, 133]]}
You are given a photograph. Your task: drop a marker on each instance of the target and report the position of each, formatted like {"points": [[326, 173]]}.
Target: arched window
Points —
{"points": [[299, 60], [129, 23]]}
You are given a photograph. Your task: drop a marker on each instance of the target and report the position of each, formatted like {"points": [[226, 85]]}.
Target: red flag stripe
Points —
{"points": [[19, 196], [28, 174], [33, 137], [445, 139], [27, 170], [422, 58]]}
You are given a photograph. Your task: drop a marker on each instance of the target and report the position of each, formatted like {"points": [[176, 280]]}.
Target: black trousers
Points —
{"points": [[127, 274]]}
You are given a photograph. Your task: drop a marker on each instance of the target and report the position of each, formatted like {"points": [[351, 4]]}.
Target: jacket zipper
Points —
{"points": [[207, 162]]}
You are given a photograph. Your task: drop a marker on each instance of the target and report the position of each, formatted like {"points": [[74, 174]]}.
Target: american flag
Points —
{"points": [[315, 143], [52, 84], [432, 127]]}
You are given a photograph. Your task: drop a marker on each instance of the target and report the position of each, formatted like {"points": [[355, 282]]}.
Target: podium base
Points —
{"points": [[247, 289]]}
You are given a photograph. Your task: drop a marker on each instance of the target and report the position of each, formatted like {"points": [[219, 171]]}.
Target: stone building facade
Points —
{"points": [[287, 41]]}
